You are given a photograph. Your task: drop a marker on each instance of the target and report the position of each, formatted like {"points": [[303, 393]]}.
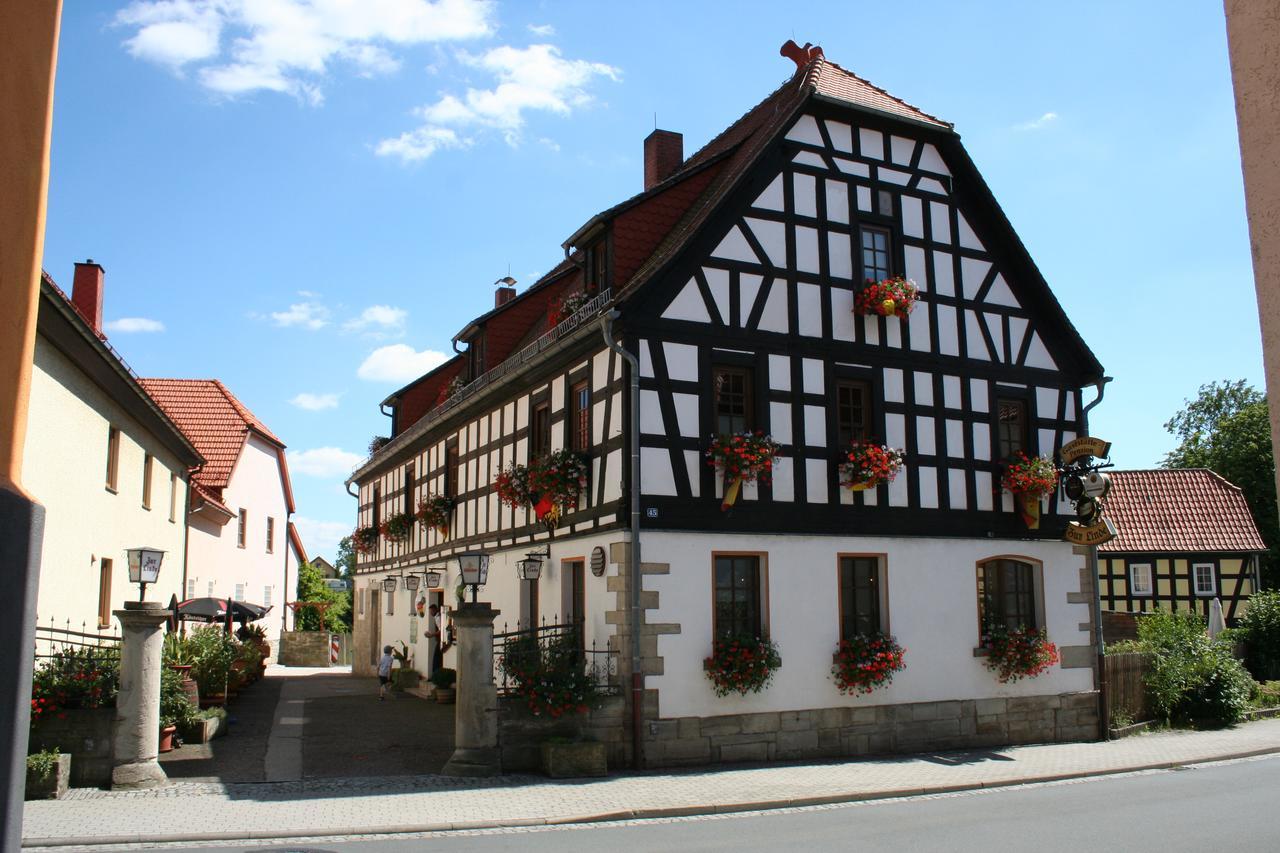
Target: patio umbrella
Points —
{"points": [[173, 613], [219, 609], [1217, 624]]}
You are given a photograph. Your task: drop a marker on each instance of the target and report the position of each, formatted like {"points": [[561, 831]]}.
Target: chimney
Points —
{"points": [[506, 291], [663, 154], [86, 293]]}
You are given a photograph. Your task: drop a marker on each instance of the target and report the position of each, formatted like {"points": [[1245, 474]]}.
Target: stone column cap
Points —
{"points": [[475, 613], [147, 615]]}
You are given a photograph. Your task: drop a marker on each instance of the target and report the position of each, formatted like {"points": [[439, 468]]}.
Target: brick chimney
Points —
{"points": [[506, 291], [663, 154], [86, 293]]}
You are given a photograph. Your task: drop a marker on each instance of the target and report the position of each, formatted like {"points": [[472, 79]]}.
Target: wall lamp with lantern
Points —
{"points": [[411, 582], [390, 583], [433, 578], [530, 567], [474, 566]]}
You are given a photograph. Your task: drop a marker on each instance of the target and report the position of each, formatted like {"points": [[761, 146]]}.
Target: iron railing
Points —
{"points": [[53, 638], [601, 664]]}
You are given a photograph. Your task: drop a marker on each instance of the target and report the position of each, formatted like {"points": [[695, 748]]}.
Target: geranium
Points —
{"points": [[867, 465], [397, 527], [75, 678], [892, 297], [568, 305], [741, 664], [434, 511], [866, 662], [456, 384], [557, 479], [365, 539], [745, 457], [1013, 655], [551, 677], [1030, 475], [512, 485]]}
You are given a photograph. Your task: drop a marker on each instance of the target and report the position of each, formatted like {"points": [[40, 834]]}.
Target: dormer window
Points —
{"points": [[596, 269], [475, 357]]}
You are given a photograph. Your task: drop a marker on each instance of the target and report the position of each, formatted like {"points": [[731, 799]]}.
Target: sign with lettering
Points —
{"points": [[1097, 533], [1084, 446]]}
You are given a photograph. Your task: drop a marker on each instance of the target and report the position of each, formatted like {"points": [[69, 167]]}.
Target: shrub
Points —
{"points": [[1014, 655], [551, 676], [75, 678], [1260, 630], [1125, 647], [176, 708], [1193, 678], [444, 677], [214, 653], [41, 764], [742, 664], [866, 662]]}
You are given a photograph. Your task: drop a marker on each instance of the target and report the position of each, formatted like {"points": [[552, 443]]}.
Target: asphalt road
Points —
{"points": [[1227, 806]]}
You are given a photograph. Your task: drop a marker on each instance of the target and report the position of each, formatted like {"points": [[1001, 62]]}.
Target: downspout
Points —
{"points": [[1104, 706], [288, 545], [633, 569], [186, 532]]}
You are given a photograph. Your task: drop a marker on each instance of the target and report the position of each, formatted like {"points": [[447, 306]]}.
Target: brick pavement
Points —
{"points": [[310, 807]]}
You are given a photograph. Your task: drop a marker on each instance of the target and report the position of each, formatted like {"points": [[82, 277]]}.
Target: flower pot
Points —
{"points": [[731, 494], [574, 760], [446, 695], [53, 785], [210, 699], [1028, 509], [166, 738], [863, 486]]}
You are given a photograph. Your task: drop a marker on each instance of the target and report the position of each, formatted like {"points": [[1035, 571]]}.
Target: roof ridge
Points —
{"points": [[864, 81]]}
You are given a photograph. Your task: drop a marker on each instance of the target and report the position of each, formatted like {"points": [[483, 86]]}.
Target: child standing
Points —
{"points": [[384, 673]]}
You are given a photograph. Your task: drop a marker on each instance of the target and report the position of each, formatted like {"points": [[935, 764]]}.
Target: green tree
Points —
{"points": [[1227, 428], [311, 587], [345, 562]]}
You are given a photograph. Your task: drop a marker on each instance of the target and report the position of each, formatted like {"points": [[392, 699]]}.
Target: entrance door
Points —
{"points": [[375, 626], [573, 594]]}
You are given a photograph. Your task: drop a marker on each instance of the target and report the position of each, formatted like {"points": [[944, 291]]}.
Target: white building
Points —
{"points": [[733, 280], [107, 464], [241, 544]]}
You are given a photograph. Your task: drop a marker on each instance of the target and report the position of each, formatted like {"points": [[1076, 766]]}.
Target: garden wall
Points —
{"points": [[86, 734], [304, 648], [520, 734]]}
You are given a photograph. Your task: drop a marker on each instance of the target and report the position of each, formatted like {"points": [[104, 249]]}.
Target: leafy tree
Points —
{"points": [[1227, 428], [345, 562], [311, 587]]}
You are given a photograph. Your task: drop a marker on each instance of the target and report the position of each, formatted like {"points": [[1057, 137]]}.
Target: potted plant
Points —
{"points": [[1029, 478], [365, 539], [555, 481], [256, 635], [741, 664], [48, 775], [1014, 655], [179, 657], [434, 511], [443, 680], [452, 389], [745, 457], [890, 297], [867, 465], [175, 708], [866, 662], [566, 307], [214, 653], [551, 677], [512, 486]]}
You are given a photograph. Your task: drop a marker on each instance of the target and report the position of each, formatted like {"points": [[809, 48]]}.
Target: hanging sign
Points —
{"points": [[1087, 487], [1097, 533], [1084, 446]]}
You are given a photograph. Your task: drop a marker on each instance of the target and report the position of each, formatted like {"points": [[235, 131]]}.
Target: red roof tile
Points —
{"points": [[1178, 510], [832, 81]]}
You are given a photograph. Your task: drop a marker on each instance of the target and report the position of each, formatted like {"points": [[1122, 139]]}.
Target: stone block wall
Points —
{"points": [[520, 734], [304, 648], [873, 730], [86, 735]]}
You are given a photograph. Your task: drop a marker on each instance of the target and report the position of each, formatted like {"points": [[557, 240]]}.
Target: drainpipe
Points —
{"points": [[1104, 706], [284, 611], [633, 570]]}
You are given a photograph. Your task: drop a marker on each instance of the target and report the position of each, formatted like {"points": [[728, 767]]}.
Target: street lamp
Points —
{"points": [[389, 584], [474, 566], [433, 577], [411, 582], [530, 567], [144, 567]]}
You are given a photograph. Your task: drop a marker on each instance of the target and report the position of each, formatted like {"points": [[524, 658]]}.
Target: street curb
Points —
{"points": [[626, 814]]}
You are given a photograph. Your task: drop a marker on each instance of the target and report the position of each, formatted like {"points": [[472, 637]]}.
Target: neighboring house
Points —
{"points": [[327, 569], [107, 464], [1186, 536], [242, 543], [733, 278]]}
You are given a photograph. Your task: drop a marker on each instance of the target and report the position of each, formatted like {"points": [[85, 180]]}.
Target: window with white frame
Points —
{"points": [[210, 592], [239, 596], [1202, 574], [1140, 578], [266, 596], [191, 588]]}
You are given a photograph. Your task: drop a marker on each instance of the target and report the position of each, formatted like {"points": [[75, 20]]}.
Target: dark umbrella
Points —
{"points": [[173, 613], [217, 610]]}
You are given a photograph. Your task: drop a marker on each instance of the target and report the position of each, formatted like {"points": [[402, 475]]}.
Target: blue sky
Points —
{"points": [[286, 189]]}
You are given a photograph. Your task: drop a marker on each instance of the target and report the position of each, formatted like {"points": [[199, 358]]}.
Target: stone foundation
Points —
{"points": [[520, 734], [873, 730], [86, 735]]}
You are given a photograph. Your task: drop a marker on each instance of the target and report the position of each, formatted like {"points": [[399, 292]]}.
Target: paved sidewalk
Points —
{"points": [[203, 811]]}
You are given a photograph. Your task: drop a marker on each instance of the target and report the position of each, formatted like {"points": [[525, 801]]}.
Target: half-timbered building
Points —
{"points": [[731, 279], [1186, 537]]}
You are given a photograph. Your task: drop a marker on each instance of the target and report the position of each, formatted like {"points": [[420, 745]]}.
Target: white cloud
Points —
{"points": [[310, 315], [289, 45], [1042, 122], [323, 462], [315, 402], [379, 320], [543, 30], [134, 324], [399, 363], [536, 78], [321, 538]]}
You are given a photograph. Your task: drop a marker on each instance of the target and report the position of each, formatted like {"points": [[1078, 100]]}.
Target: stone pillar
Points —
{"points": [[476, 718], [135, 741]]}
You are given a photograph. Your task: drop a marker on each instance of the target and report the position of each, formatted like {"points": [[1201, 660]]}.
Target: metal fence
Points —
{"points": [[601, 664], [54, 637], [1126, 692]]}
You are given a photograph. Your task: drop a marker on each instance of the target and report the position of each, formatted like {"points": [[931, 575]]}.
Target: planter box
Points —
{"points": [[53, 786], [86, 735], [402, 679], [573, 760], [204, 730]]}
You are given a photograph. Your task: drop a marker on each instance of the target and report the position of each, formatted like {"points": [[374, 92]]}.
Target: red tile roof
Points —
{"points": [[1178, 510], [218, 425], [832, 81]]}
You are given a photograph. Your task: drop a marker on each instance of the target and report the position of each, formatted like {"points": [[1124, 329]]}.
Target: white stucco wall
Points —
{"points": [[216, 563], [65, 467], [932, 611]]}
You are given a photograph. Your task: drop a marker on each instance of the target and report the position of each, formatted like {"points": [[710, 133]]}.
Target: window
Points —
{"points": [[573, 591], [452, 468], [210, 592], [875, 254], [1011, 427], [738, 610], [173, 496], [409, 486], [853, 412], [241, 527], [1007, 595], [147, 464], [861, 589], [733, 403], [580, 417], [540, 431], [884, 202], [113, 457], [191, 588], [1204, 579], [271, 535], [1140, 579], [475, 357], [104, 593], [239, 596], [266, 596], [596, 272]]}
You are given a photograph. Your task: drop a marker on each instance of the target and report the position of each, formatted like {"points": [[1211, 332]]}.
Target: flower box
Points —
{"points": [[891, 297], [574, 760], [1029, 478], [52, 785], [1014, 655], [204, 729], [746, 457], [867, 465]]}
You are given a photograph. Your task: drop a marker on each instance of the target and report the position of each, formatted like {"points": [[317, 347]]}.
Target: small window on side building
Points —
{"points": [[113, 458], [147, 468], [1140, 579], [1203, 575]]}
